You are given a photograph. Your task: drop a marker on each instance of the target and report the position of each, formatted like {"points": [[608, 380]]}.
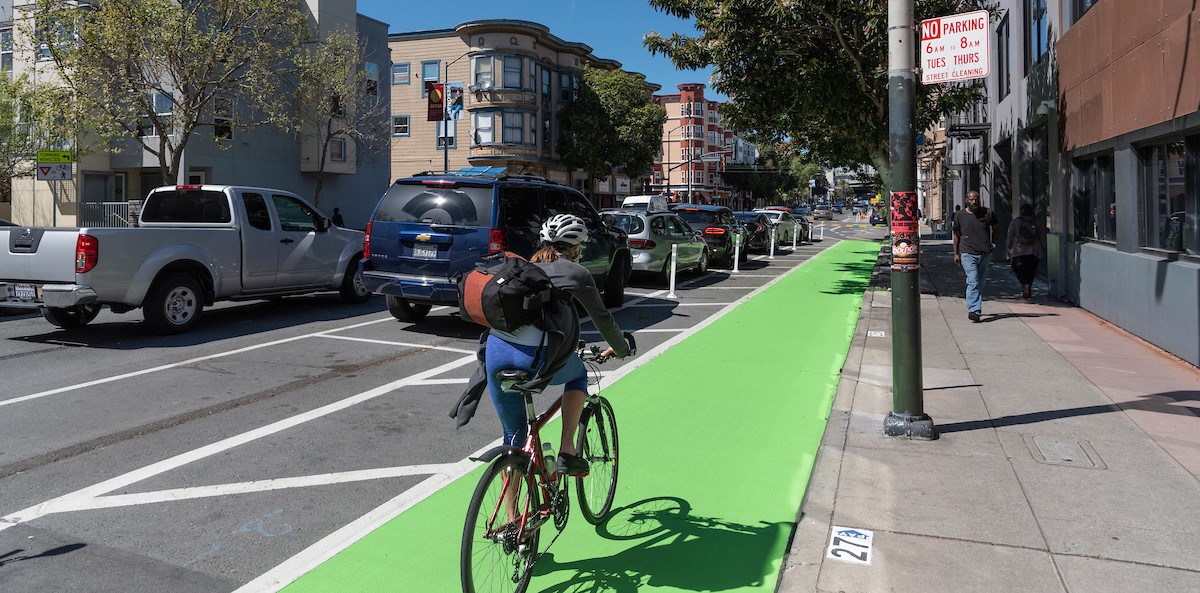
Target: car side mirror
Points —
{"points": [[325, 225]]}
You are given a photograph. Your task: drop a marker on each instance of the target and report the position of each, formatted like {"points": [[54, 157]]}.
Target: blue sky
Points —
{"points": [[613, 28]]}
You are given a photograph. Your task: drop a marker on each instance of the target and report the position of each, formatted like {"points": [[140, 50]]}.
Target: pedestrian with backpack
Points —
{"points": [[1026, 248], [546, 346], [974, 240]]}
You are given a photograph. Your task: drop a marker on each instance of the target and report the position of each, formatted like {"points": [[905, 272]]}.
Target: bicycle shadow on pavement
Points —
{"points": [[670, 547]]}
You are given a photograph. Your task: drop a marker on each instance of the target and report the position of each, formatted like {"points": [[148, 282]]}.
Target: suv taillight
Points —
{"points": [[714, 230], [87, 253], [642, 244], [496, 241], [367, 242]]}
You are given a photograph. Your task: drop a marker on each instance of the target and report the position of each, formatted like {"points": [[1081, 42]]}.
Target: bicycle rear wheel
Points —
{"points": [[597, 443], [496, 554]]}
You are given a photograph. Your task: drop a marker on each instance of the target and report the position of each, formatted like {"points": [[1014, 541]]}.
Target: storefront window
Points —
{"points": [[1095, 199], [1166, 196]]}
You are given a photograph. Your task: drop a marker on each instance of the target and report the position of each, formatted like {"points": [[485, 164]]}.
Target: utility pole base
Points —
{"points": [[914, 427]]}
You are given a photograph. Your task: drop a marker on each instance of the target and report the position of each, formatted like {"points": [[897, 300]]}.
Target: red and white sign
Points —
{"points": [[955, 47]]}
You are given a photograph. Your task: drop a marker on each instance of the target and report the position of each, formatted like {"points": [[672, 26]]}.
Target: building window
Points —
{"points": [[400, 73], [547, 78], [1003, 58], [512, 71], [400, 125], [1036, 22], [514, 127], [371, 78], [337, 149], [533, 77], [1095, 199], [1078, 7], [6, 51], [1167, 198], [447, 134], [484, 133], [568, 86], [430, 71], [223, 118], [163, 107], [483, 73]]}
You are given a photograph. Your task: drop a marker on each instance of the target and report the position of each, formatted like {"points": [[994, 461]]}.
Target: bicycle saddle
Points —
{"points": [[510, 377]]}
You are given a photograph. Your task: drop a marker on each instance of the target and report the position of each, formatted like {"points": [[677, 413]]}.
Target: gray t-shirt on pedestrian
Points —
{"points": [[974, 230]]}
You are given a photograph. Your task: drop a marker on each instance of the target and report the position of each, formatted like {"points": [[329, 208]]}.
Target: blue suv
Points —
{"points": [[429, 229]]}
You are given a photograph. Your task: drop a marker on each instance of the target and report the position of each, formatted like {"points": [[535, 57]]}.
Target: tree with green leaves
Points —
{"points": [[153, 71], [331, 97], [32, 118], [814, 72], [611, 124]]}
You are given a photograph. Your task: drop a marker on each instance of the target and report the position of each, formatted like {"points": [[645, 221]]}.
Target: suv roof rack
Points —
{"points": [[497, 173]]}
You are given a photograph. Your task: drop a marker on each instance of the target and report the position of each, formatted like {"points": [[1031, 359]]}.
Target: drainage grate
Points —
{"points": [[1063, 451]]}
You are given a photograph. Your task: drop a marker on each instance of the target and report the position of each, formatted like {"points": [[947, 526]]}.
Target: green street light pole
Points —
{"points": [[907, 417]]}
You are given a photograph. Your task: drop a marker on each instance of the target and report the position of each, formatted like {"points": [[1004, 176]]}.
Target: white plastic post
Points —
{"points": [[772, 254], [822, 231], [737, 255], [674, 252], [795, 231]]}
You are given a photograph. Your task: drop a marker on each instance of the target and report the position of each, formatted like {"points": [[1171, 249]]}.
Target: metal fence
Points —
{"points": [[104, 214]]}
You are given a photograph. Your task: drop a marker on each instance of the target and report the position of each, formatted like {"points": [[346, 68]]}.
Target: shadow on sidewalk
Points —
{"points": [[1148, 403]]}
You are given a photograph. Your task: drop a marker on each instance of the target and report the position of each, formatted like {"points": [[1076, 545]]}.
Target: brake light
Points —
{"points": [[496, 241], [714, 230], [642, 244], [367, 242], [186, 187], [87, 253], [441, 182]]}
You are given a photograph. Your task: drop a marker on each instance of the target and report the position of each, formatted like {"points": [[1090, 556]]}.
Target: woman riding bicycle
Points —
{"points": [[549, 351]]}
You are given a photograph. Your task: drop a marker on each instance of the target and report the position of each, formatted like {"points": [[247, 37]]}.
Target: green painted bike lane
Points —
{"points": [[718, 439]]}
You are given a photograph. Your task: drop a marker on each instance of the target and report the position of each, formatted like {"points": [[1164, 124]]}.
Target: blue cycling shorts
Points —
{"points": [[510, 406]]}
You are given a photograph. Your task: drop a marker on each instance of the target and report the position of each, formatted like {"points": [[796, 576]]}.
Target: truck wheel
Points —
{"points": [[406, 311], [614, 287], [353, 290], [68, 317], [173, 304]]}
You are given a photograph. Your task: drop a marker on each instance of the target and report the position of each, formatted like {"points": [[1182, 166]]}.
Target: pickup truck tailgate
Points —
{"points": [[38, 254]]}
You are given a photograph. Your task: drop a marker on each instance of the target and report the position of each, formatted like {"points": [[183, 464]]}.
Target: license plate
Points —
{"points": [[25, 292], [425, 250]]}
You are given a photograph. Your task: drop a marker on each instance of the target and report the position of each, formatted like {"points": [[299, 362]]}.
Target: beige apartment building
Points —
{"points": [[507, 81]]}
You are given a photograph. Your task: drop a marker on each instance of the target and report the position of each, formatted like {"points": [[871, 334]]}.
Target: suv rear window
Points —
{"points": [[698, 216], [464, 205], [629, 223], [189, 205]]}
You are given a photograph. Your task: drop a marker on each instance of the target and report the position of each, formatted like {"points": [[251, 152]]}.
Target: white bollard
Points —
{"points": [[822, 231], [674, 253], [737, 244], [772, 254], [795, 231]]}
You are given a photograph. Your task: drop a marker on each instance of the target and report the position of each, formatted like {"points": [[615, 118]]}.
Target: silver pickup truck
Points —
{"points": [[196, 244]]}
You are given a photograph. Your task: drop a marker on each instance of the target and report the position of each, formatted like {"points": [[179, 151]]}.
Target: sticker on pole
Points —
{"points": [[905, 225], [850, 545], [955, 47]]}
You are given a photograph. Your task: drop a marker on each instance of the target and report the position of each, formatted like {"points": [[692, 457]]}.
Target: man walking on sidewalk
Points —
{"points": [[974, 241]]}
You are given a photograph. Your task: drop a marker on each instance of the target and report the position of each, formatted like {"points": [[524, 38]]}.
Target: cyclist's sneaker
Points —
{"points": [[572, 465]]}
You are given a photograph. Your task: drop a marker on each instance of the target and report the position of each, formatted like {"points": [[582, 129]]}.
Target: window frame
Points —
{"points": [[1004, 57], [479, 72], [437, 77], [407, 125], [407, 69], [477, 117], [514, 122], [223, 118], [1155, 225], [337, 150], [506, 71], [1037, 31]]}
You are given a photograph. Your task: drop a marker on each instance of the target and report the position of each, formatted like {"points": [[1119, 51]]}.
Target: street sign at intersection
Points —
{"points": [[955, 47]]}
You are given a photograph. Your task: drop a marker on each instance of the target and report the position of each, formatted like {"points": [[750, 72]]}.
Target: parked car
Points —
{"points": [[858, 209], [838, 207], [719, 228], [195, 245], [758, 230], [802, 210], [877, 218], [657, 203], [651, 235], [430, 228], [785, 225], [822, 211]]}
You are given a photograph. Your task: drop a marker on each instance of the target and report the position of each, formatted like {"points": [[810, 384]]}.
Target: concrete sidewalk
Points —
{"points": [[1069, 457]]}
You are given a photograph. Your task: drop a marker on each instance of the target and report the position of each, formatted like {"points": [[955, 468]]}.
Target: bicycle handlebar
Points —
{"points": [[592, 353]]}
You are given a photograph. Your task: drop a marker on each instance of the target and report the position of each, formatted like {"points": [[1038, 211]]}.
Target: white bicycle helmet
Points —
{"points": [[564, 228]]}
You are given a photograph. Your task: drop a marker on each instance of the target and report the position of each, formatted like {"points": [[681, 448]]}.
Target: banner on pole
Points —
{"points": [[436, 100]]}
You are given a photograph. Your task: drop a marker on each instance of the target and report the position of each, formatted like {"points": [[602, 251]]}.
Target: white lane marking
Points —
{"points": [[391, 343], [177, 494], [182, 459], [173, 365], [642, 331], [296, 566], [443, 381]]}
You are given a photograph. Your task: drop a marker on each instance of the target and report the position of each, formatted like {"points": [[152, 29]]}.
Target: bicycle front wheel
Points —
{"points": [[497, 553], [597, 443]]}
